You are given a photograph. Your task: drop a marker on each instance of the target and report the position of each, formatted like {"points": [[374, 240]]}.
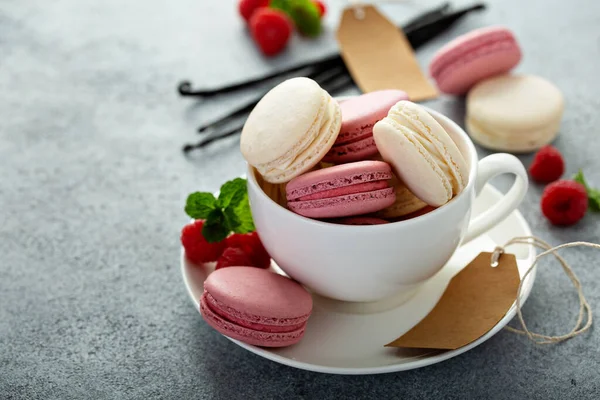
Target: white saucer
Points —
{"points": [[343, 338]]}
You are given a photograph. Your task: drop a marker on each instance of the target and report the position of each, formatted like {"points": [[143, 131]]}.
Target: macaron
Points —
{"points": [[514, 113], [256, 306], [406, 202], [477, 55], [359, 115], [421, 153], [341, 191], [275, 191], [290, 130]]}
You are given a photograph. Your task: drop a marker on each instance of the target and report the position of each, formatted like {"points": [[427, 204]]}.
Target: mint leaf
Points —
{"points": [[231, 219], [229, 213], [306, 17], [246, 223], [215, 229], [593, 194], [199, 205], [232, 192], [578, 177], [594, 199]]}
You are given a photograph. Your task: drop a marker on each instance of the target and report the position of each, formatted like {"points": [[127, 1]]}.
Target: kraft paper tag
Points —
{"points": [[473, 303], [379, 56]]}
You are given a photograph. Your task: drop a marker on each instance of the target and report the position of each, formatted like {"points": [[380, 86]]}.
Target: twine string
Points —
{"points": [[585, 310]]}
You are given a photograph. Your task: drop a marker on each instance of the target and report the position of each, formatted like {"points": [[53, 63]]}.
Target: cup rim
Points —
{"points": [[392, 225]]}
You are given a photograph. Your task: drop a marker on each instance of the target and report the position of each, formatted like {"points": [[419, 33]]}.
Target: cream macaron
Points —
{"points": [[421, 153], [290, 130], [406, 202], [515, 113]]}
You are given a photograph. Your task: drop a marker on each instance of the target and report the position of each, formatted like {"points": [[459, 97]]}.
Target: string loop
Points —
{"points": [[585, 310]]}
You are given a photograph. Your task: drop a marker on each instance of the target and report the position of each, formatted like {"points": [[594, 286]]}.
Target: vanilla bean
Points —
{"points": [[427, 17], [318, 76], [185, 87], [420, 34]]}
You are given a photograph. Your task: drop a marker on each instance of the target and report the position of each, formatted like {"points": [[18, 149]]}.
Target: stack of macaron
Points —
{"points": [[505, 112], [372, 159]]}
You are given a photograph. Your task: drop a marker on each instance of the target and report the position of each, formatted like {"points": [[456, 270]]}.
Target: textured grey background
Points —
{"points": [[92, 184]]}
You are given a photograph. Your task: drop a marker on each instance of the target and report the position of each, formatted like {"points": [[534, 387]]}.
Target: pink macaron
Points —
{"points": [[355, 141], [472, 57], [256, 306], [341, 191]]}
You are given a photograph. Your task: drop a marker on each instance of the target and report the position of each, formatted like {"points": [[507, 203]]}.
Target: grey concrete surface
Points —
{"points": [[92, 185]]}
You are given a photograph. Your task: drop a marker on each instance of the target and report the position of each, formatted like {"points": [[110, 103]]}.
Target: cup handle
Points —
{"points": [[490, 167]]}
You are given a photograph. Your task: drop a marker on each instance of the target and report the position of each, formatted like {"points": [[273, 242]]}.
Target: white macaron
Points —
{"points": [[422, 153], [514, 113], [290, 130]]}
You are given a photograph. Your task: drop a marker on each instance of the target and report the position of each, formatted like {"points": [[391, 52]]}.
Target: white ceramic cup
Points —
{"points": [[370, 263]]}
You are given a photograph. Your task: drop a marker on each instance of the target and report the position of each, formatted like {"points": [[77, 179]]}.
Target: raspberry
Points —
{"points": [[234, 257], [248, 7], [197, 249], [271, 30], [564, 202], [548, 165], [250, 243], [321, 7]]}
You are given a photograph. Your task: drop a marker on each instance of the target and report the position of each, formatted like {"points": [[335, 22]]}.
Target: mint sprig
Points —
{"points": [[593, 194], [304, 13], [230, 212]]}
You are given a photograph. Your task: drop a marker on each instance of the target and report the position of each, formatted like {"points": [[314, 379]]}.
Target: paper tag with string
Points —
{"points": [[481, 294], [378, 55]]}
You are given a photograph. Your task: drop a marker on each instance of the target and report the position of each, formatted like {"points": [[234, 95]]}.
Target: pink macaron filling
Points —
{"points": [[355, 141], [248, 335], [356, 150], [344, 190], [341, 191], [264, 324], [345, 206]]}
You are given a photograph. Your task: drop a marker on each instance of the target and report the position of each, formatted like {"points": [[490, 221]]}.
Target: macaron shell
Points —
{"points": [[515, 142], [359, 115], [304, 157], [338, 176], [292, 107], [290, 130], [250, 321], [259, 292], [345, 206], [515, 102], [422, 153], [246, 335], [349, 152], [413, 164], [470, 58], [406, 202], [344, 190]]}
